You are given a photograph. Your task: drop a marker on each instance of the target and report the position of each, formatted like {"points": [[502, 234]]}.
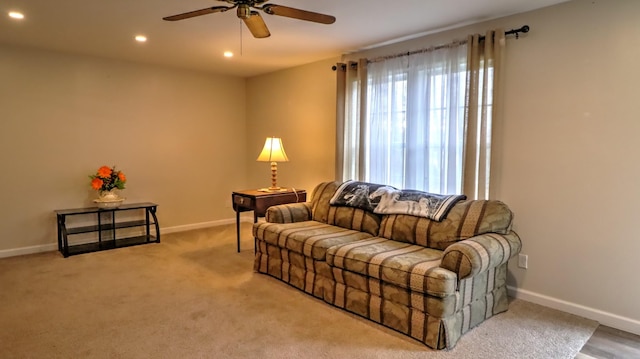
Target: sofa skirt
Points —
{"points": [[397, 308]]}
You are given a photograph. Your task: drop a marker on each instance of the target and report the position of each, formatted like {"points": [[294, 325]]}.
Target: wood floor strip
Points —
{"points": [[610, 343]]}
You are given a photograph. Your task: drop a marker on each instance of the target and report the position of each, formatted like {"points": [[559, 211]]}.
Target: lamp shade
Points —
{"points": [[273, 151]]}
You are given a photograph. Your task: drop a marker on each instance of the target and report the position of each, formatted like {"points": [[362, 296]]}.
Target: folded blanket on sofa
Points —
{"points": [[415, 203], [383, 199], [357, 194]]}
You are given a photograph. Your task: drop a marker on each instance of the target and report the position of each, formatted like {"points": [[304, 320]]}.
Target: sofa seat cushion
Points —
{"points": [[309, 238], [405, 265]]}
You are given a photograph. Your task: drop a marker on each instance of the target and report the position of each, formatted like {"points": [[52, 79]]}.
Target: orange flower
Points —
{"points": [[104, 172], [107, 179], [96, 183]]}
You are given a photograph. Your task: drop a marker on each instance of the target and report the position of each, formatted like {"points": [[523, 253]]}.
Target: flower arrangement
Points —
{"points": [[107, 179]]}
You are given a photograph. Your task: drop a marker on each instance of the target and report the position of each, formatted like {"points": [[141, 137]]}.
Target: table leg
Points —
{"points": [[238, 228], [60, 225], [255, 220]]}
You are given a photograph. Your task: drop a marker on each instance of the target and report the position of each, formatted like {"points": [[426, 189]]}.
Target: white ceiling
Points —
{"points": [[106, 28]]}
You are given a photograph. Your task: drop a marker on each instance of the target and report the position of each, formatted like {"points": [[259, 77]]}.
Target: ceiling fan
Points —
{"points": [[252, 19]]}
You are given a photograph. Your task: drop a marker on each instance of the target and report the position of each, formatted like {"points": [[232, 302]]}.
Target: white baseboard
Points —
{"points": [[604, 318], [189, 227], [14, 252], [28, 250]]}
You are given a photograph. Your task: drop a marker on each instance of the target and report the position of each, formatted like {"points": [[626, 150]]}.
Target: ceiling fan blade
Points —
{"points": [[257, 26], [195, 13], [273, 9]]}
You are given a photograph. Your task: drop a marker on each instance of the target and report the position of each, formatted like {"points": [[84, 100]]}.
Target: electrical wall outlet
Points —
{"points": [[523, 261]]}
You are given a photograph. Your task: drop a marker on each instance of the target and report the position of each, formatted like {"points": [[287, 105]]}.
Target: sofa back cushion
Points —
{"points": [[345, 217], [465, 219]]}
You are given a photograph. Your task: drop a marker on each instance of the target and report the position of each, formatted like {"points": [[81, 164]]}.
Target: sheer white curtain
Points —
{"points": [[423, 120], [414, 122]]}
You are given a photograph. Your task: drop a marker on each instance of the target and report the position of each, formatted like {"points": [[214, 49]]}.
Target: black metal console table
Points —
{"points": [[104, 223]]}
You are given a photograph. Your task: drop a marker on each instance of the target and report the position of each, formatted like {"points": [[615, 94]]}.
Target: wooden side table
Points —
{"points": [[258, 202]]}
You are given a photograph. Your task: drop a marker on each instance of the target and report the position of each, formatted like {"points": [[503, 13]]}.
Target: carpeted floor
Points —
{"points": [[193, 296]]}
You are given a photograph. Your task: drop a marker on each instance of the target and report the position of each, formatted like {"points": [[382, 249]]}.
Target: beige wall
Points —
{"points": [[298, 105], [179, 136], [570, 159], [568, 154]]}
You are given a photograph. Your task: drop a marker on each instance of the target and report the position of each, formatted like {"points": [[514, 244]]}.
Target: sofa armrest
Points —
{"points": [[477, 254], [289, 213]]}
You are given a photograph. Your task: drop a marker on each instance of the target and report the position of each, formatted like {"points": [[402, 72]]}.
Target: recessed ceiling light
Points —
{"points": [[141, 38], [228, 54], [16, 15]]}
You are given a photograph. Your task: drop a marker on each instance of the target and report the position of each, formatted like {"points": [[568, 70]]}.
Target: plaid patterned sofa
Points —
{"points": [[433, 281]]}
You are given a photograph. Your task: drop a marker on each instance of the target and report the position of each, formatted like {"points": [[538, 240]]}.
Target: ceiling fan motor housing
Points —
{"points": [[244, 11]]}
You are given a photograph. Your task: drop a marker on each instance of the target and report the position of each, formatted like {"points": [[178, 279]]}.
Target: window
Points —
{"points": [[413, 130], [422, 120]]}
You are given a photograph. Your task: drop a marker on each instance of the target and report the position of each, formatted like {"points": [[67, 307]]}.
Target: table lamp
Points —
{"points": [[273, 152]]}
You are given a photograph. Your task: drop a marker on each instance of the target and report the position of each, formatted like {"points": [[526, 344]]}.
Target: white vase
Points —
{"points": [[109, 199], [107, 196]]}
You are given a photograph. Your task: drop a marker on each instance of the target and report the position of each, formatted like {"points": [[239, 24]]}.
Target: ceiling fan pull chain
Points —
{"points": [[240, 22]]}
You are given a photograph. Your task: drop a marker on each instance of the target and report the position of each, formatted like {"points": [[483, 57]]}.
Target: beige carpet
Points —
{"points": [[193, 296]]}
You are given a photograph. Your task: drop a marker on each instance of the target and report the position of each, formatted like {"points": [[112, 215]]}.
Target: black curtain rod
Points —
{"points": [[524, 29]]}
